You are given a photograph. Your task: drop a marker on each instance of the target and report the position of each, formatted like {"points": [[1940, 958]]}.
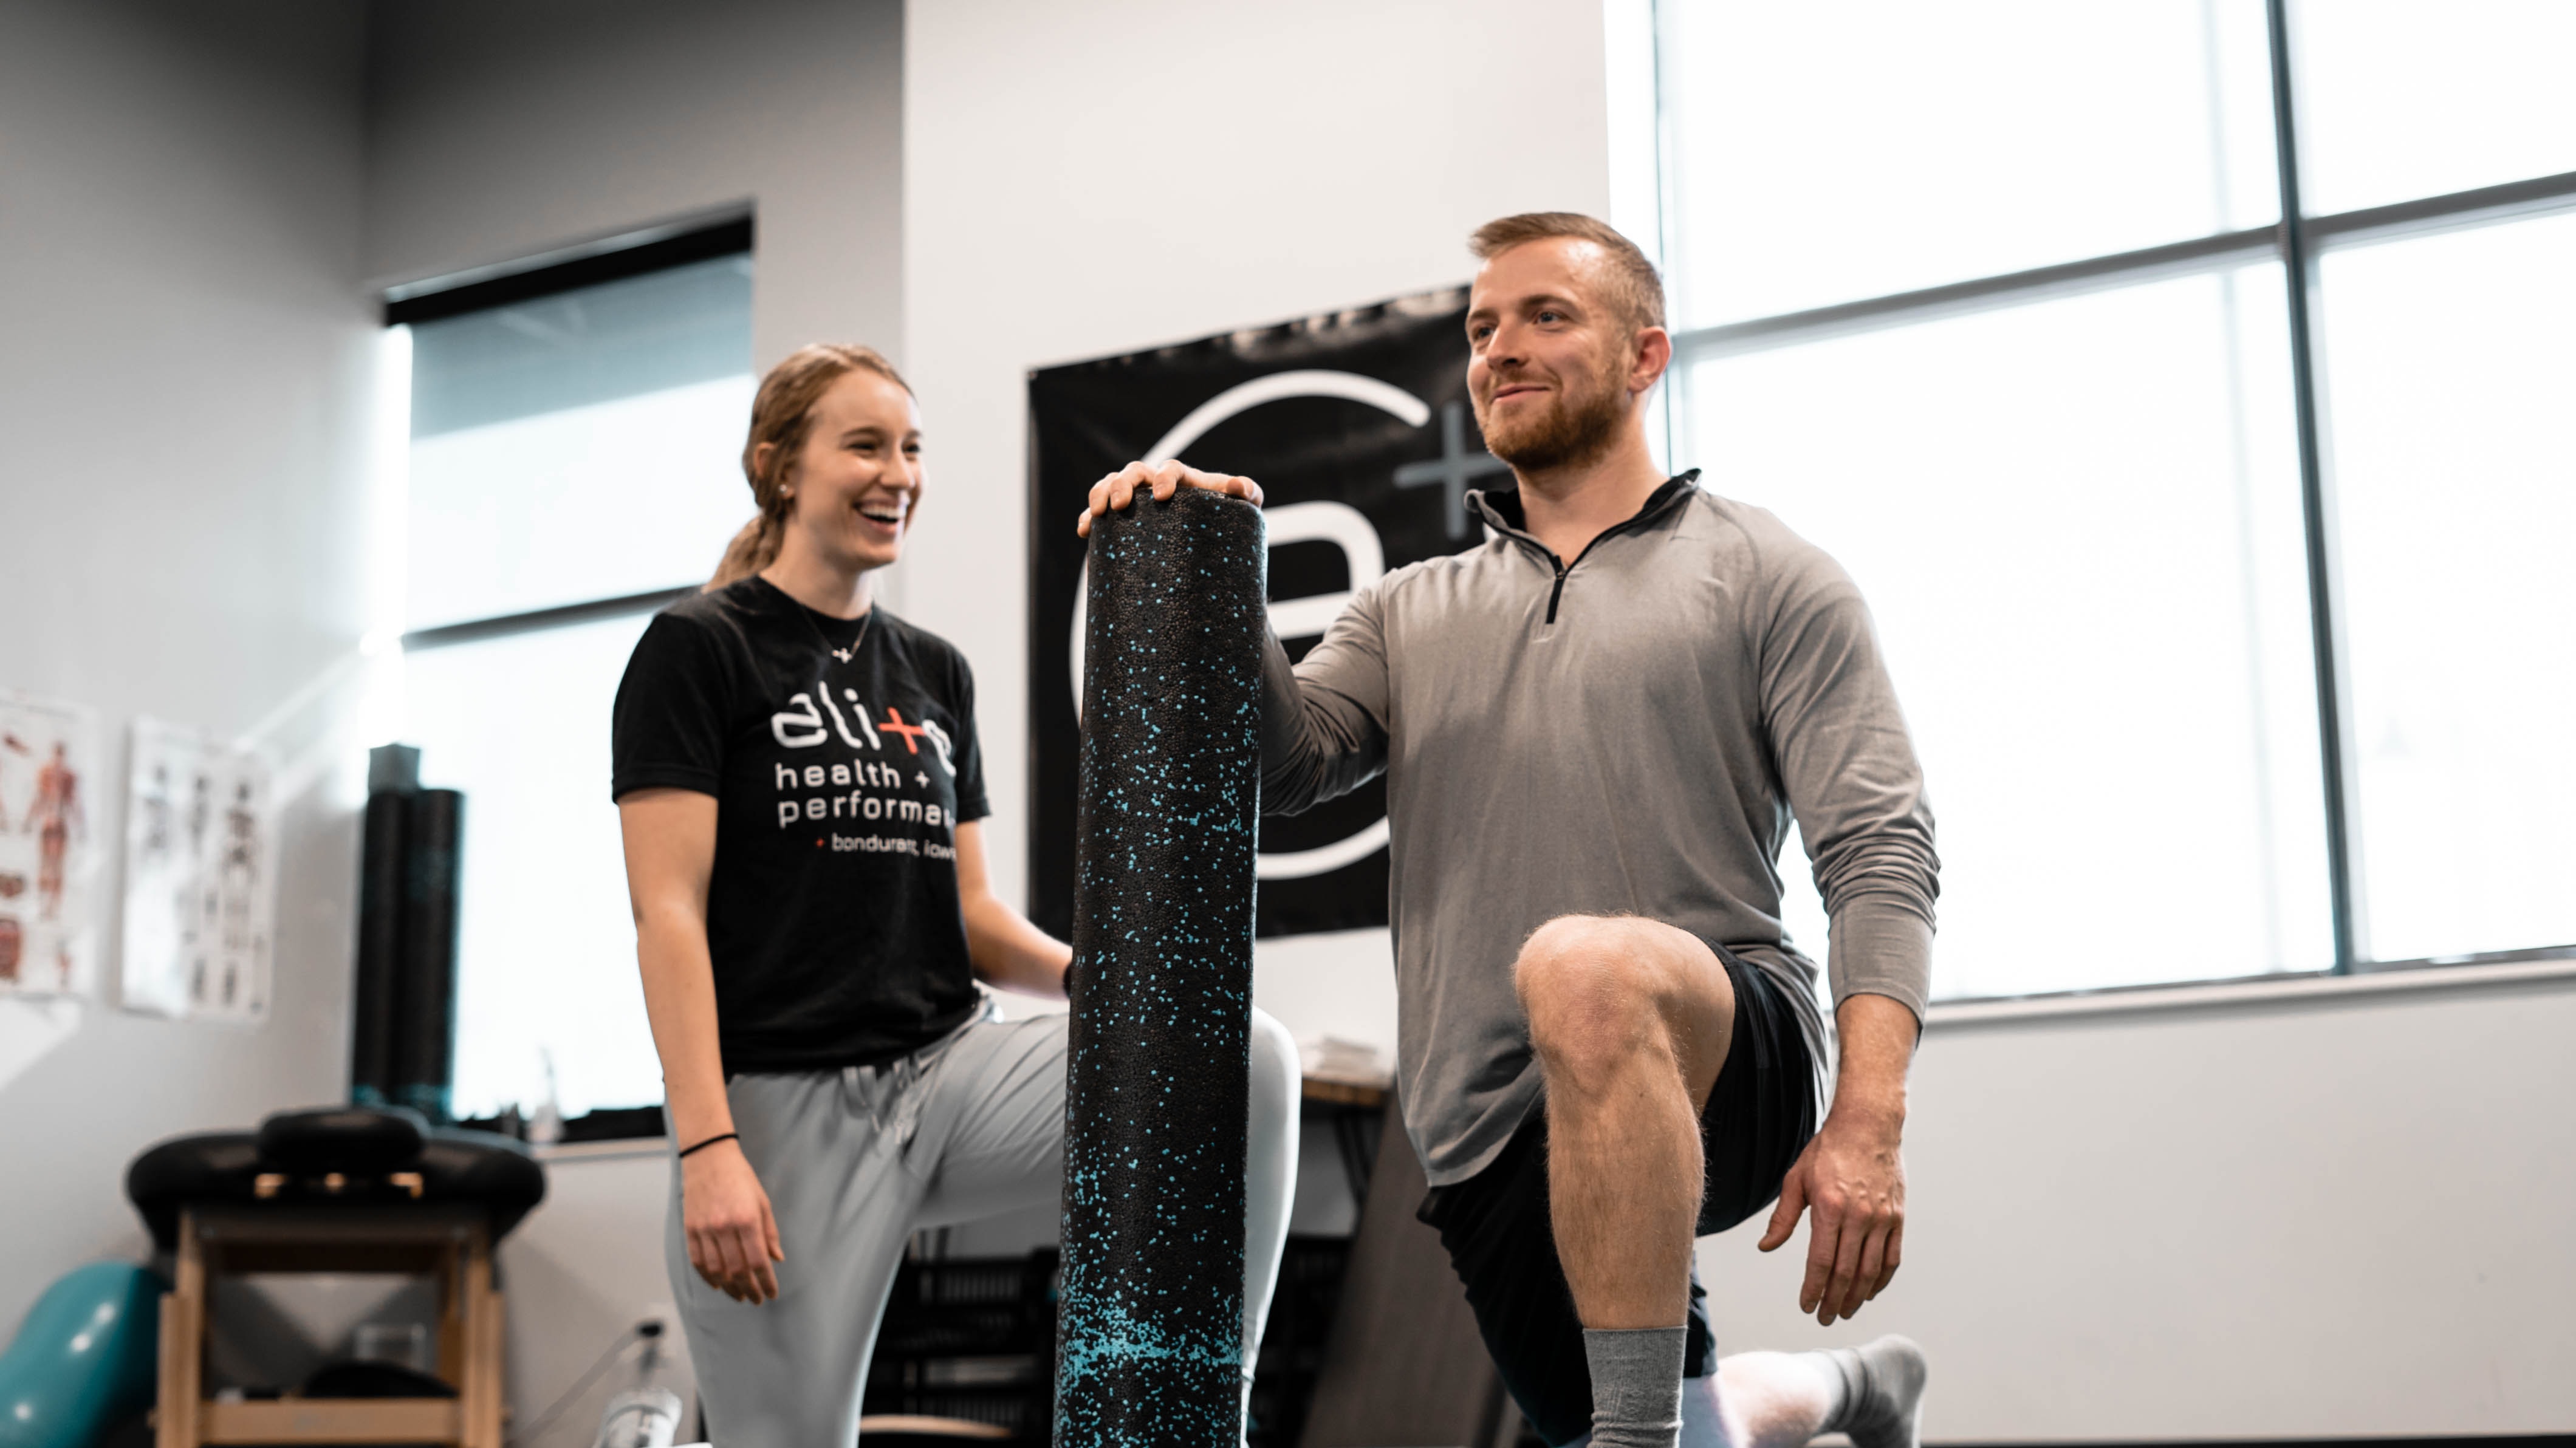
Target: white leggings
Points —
{"points": [[855, 1161]]}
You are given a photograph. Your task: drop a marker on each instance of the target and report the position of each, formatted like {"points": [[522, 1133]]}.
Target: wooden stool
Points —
{"points": [[451, 1243]]}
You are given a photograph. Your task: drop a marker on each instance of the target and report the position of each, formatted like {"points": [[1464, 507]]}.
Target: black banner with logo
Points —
{"points": [[1357, 427]]}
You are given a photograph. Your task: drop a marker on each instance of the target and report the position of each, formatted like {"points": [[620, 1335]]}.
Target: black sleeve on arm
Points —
{"points": [[971, 802], [668, 729], [1323, 722]]}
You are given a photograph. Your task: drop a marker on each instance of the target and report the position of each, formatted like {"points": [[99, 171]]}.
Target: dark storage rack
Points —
{"points": [[1292, 1344], [974, 1338], [970, 1338]]}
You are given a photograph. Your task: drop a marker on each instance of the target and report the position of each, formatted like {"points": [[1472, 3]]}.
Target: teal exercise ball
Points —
{"points": [[86, 1358]]}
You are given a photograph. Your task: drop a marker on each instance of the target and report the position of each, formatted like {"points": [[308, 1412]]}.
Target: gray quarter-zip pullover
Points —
{"points": [[1628, 733]]}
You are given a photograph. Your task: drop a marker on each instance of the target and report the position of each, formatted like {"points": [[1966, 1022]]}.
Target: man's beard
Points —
{"points": [[1574, 428]]}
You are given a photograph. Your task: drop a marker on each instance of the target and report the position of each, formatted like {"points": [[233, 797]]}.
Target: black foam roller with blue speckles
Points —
{"points": [[1150, 1331]]}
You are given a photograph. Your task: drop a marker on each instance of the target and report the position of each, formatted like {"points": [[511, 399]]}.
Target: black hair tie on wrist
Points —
{"points": [[710, 1141]]}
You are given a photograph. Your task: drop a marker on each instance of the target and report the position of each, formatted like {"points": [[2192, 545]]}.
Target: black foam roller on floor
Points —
{"points": [[1150, 1332], [425, 1006], [380, 933]]}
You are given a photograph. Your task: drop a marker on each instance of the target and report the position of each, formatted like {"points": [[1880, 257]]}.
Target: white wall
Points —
{"points": [[2326, 1212], [183, 387], [498, 131], [1086, 180]]}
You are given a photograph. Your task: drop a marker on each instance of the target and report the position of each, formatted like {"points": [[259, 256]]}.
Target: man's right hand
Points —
{"points": [[732, 1236], [1162, 479]]}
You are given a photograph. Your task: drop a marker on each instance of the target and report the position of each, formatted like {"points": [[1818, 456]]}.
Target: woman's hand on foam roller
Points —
{"points": [[733, 1238], [1164, 479]]}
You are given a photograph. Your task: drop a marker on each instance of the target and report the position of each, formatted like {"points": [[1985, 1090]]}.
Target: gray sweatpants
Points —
{"points": [[854, 1161]]}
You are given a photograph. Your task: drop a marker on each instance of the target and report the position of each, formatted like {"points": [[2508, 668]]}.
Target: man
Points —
{"points": [[1595, 729]]}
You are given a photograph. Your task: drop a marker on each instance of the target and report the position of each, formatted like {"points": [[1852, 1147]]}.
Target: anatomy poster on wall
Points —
{"points": [[200, 877], [48, 848]]}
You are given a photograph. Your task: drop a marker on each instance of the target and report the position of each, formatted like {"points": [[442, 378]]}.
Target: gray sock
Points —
{"points": [[1841, 1391], [1876, 1392], [1636, 1386]]}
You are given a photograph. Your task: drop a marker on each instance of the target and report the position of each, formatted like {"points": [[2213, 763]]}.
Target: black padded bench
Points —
{"points": [[336, 1190]]}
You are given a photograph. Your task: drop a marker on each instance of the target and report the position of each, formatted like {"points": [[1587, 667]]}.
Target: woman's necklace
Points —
{"points": [[856, 639], [843, 654], [806, 612]]}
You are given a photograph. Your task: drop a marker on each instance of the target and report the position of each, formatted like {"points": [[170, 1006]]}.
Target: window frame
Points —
{"points": [[2296, 243], [632, 254]]}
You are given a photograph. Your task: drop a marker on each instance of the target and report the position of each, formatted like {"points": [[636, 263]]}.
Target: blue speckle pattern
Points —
{"points": [[1150, 1332]]}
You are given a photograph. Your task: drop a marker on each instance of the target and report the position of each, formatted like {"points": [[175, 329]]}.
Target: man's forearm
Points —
{"points": [[1292, 773], [1315, 744], [1877, 1034]]}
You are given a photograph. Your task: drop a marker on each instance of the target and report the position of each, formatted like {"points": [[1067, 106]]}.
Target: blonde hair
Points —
{"points": [[1636, 292], [782, 412]]}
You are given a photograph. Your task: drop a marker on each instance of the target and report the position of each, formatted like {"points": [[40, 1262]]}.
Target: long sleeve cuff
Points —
{"points": [[1881, 946]]}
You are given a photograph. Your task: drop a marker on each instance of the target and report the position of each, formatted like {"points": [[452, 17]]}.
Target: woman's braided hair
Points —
{"points": [[782, 412]]}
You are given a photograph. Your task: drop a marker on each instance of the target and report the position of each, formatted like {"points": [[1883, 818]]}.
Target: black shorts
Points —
{"points": [[1495, 1226]]}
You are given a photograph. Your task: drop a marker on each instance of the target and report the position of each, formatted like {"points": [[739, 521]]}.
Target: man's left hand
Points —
{"points": [[1852, 1177], [1159, 481]]}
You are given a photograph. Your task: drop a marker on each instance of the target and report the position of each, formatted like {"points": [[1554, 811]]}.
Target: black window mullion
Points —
{"points": [[2315, 504]]}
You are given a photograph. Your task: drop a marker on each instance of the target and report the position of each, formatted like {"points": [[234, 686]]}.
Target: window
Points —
{"points": [[572, 467], [2450, 385], [2217, 559]]}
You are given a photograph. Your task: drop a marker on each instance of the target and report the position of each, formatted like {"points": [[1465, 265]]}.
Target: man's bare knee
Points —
{"points": [[1594, 989]]}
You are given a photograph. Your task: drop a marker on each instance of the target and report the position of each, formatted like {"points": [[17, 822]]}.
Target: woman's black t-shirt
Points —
{"points": [[832, 917]]}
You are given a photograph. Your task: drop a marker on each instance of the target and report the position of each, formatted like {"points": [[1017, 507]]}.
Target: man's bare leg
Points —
{"points": [[1631, 1020]]}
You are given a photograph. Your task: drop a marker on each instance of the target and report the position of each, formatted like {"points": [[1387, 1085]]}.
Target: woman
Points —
{"points": [[801, 793]]}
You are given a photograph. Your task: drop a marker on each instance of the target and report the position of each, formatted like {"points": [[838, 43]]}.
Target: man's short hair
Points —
{"points": [[1635, 290]]}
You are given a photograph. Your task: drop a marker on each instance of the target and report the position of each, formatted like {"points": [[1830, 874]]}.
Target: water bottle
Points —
{"points": [[648, 1414], [643, 1418]]}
